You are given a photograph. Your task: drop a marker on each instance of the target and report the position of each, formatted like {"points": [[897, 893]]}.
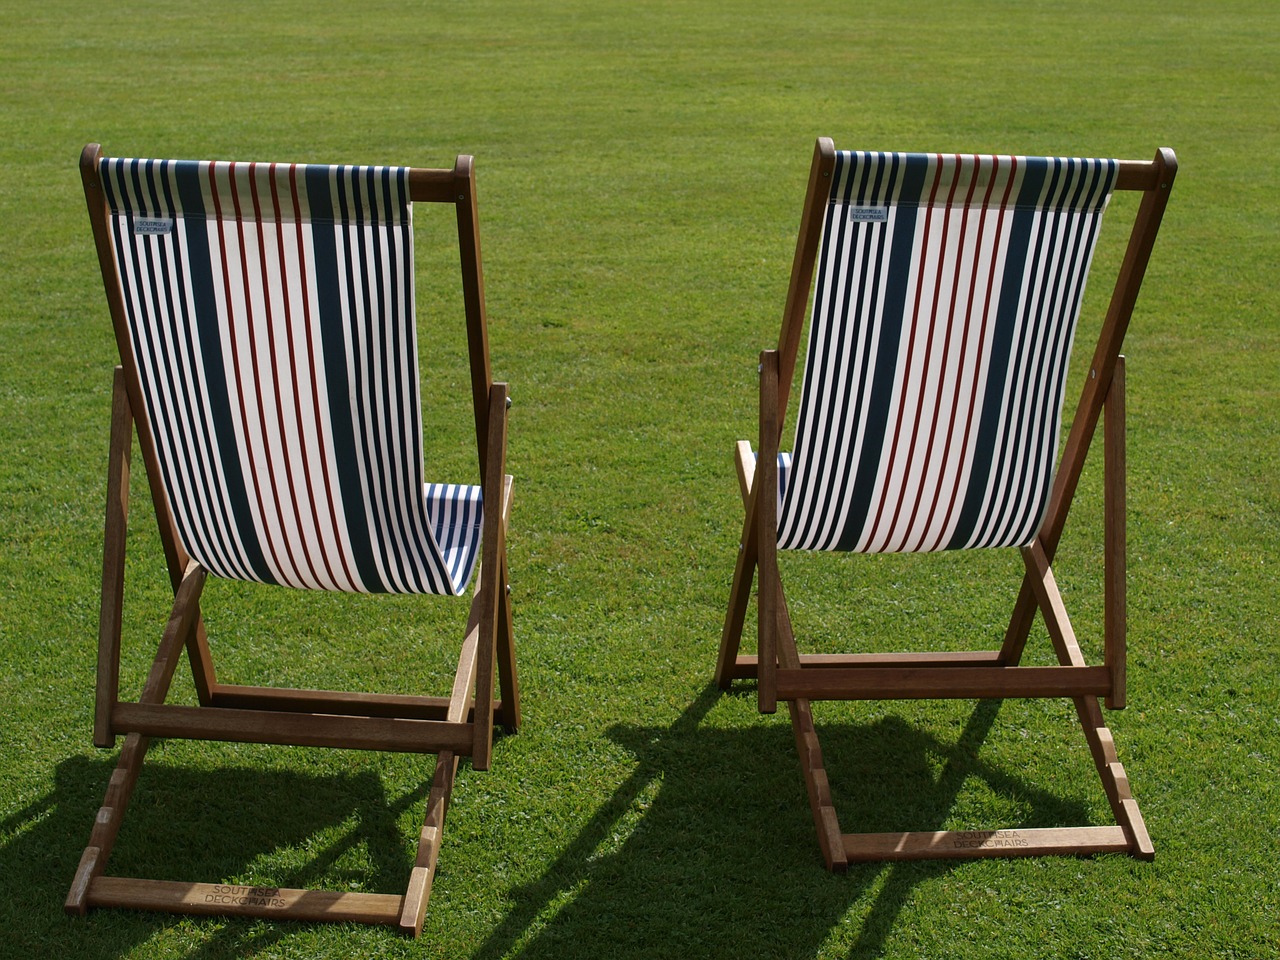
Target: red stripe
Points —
{"points": [[257, 372], [317, 409], [971, 408], [906, 387], [897, 431], [231, 330], [940, 466], [931, 468], [275, 366]]}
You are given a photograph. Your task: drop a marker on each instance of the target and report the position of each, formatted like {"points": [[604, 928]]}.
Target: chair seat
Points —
{"points": [[457, 519], [784, 471]]}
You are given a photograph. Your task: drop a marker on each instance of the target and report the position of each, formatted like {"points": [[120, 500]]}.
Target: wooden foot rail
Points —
{"points": [[968, 844]]}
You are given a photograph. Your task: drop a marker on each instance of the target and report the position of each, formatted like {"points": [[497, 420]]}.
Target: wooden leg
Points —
{"points": [[493, 548], [1115, 587], [429, 841], [816, 784], [1101, 744], [765, 501], [201, 660], [106, 826], [120, 789], [739, 597], [1114, 779], [508, 677], [107, 690], [414, 910], [1129, 835], [743, 574]]}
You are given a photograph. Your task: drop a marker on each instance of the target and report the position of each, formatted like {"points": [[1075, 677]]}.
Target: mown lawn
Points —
{"points": [[641, 168]]}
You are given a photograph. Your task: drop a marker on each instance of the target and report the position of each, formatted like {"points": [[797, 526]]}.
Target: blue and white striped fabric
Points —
{"points": [[945, 304], [271, 311]]}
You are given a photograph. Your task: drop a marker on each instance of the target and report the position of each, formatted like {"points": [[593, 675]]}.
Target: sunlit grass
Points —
{"points": [[641, 168]]}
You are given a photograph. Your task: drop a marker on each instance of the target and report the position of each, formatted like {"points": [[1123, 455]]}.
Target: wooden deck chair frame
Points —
{"points": [[454, 726], [783, 673]]}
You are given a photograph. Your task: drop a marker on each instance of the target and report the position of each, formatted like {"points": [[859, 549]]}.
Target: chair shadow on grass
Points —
{"points": [[708, 848], [227, 825]]}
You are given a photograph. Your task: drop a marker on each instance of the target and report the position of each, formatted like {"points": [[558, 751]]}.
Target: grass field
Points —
{"points": [[641, 168]]}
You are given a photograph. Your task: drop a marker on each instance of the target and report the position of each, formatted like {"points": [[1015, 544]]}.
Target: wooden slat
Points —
{"points": [[106, 827], [746, 666], [106, 824], [1045, 587], [285, 699], [413, 907], [464, 678], [300, 730], [739, 598], [966, 844], [77, 902], [186, 611], [955, 683], [468, 217], [228, 899]]}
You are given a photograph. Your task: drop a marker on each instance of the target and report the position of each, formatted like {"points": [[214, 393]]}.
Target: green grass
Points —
{"points": [[641, 168]]}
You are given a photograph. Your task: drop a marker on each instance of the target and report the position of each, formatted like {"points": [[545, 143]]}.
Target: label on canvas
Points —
{"points": [[868, 214], [151, 227]]}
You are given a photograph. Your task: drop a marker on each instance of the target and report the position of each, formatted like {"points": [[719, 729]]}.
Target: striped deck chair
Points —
{"points": [[946, 293], [264, 315]]}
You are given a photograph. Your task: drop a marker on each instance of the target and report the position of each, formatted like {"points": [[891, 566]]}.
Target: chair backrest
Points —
{"points": [[269, 312], [945, 304]]}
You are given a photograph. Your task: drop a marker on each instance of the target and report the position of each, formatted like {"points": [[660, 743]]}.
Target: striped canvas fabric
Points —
{"points": [[945, 304], [271, 312]]}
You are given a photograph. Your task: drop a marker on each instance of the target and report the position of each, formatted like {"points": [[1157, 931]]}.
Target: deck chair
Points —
{"points": [[264, 315], [946, 299]]}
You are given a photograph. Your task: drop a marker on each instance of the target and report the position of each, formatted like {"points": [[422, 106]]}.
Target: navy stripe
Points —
{"points": [[172, 324], [371, 374], [333, 349], [395, 196], [1029, 374], [198, 271], [1001, 354], [154, 349], [822, 407], [391, 439], [862, 294], [1034, 385], [890, 337], [1040, 389]]}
